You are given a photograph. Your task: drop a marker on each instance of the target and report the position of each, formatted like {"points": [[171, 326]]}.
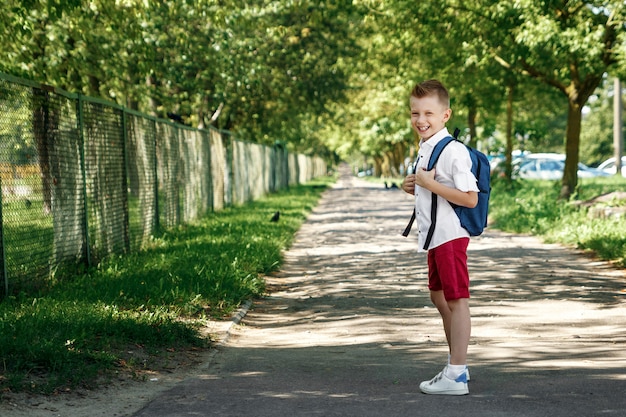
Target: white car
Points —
{"points": [[609, 166], [549, 166]]}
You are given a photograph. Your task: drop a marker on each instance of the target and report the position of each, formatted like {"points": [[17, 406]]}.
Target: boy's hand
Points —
{"points": [[408, 184], [423, 178]]}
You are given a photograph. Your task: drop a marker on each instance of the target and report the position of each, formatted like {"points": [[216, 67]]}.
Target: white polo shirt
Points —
{"points": [[452, 169]]}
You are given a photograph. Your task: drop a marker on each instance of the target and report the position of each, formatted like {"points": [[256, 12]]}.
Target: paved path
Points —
{"points": [[348, 329]]}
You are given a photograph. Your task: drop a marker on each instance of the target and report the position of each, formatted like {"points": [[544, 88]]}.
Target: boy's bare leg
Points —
{"points": [[444, 311], [456, 323], [455, 315], [460, 330]]}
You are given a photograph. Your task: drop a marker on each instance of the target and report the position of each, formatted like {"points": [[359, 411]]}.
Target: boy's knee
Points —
{"points": [[458, 303], [437, 297]]}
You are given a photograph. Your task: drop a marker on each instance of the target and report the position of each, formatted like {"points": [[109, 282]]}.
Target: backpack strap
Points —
{"points": [[408, 227], [431, 163], [433, 205]]}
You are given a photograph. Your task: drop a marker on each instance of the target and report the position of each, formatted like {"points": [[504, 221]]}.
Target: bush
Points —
{"points": [[534, 207]]}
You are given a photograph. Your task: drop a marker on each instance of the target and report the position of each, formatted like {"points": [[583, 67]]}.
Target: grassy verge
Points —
{"points": [[534, 207], [89, 327]]}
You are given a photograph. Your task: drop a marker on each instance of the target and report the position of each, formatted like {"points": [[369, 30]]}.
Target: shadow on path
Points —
{"points": [[348, 328]]}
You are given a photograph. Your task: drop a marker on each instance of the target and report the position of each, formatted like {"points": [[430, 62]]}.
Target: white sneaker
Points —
{"points": [[442, 385]]}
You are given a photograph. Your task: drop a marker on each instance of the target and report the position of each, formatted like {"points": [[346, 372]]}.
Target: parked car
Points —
{"points": [[609, 166], [549, 166], [366, 173], [496, 162]]}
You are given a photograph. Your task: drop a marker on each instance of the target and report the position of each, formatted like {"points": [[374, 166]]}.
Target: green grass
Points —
{"points": [[80, 330], [534, 207]]}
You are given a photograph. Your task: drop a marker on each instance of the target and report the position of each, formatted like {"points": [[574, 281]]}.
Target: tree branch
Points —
{"points": [[217, 113]]}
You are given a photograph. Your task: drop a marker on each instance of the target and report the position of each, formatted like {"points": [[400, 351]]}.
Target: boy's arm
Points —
{"points": [[426, 179]]}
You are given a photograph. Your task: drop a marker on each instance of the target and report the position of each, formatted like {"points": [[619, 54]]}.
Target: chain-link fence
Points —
{"points": [[83, 178]]}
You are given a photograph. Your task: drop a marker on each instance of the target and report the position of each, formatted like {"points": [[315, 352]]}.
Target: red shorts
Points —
{"points": [[447, 269]]}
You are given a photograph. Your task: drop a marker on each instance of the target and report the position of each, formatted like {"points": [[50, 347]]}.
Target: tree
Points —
{"points": [[285, 66], [270, 68], [565, 45]]}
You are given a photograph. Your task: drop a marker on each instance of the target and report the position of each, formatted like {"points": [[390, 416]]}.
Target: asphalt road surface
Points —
{"points": [[348, 328]]}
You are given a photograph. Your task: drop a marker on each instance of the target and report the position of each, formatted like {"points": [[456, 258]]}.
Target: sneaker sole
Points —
{"points": [[447, 392]]}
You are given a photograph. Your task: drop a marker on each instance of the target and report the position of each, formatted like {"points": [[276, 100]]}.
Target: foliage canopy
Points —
{"points": [[332, 76]]}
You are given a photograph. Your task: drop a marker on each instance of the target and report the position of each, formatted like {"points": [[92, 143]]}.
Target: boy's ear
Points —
{"points": [[447, 115]]}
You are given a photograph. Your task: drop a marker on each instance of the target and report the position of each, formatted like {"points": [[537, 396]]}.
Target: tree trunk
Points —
{"points": [[201, 111], [153, 103], [399, 151], [617, 126], [42, 127], [94, 86], [471, 123], [378, 163], [572, 145], [508, 153], [386, 164]]}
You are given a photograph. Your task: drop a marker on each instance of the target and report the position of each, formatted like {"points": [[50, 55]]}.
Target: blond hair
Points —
{"points": [[432, 88]]}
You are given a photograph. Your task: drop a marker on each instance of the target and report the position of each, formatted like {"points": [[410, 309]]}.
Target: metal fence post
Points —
{"points": [[81, 139], [125, 205], [157, 208], [206, 137], [3, 265], [229, 177]]}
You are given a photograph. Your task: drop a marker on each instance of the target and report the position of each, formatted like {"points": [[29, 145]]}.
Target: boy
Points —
{"points": [[453, 182]]}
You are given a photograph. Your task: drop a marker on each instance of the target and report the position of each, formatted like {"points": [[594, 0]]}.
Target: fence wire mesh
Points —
{"points": [[219, 170], [169, 174], [141, 171], [107, 197], [43, 206], [82, 179]]}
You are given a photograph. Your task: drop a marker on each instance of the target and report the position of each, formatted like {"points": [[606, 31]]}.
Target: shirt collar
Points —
{"points": [[434, 139]]}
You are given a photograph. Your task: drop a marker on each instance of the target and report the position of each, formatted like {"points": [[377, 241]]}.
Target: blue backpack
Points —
{"points": [[474, 220]]}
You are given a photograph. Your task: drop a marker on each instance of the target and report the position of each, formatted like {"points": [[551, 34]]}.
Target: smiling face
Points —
{"points": [[428, 115]]}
